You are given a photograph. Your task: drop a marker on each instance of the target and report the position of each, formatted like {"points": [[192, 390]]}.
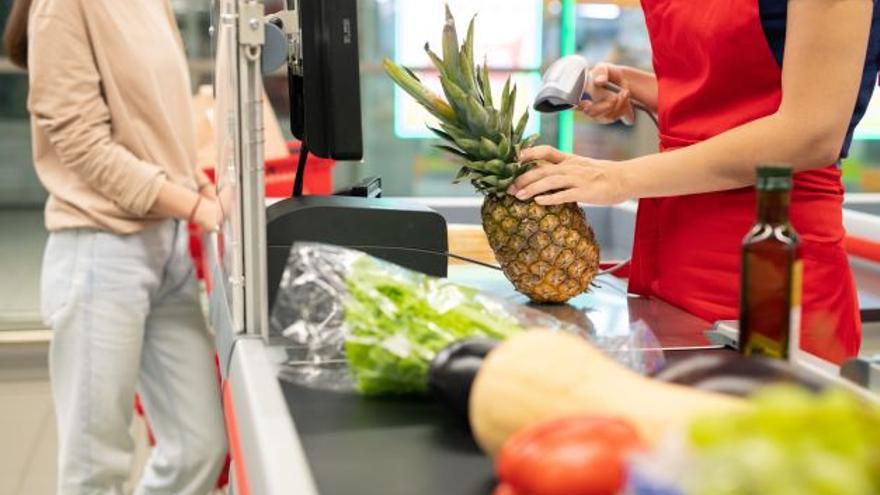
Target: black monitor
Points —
{"points": [[325, 98], [325, 114]]}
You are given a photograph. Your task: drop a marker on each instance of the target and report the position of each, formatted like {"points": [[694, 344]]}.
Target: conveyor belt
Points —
{"points": [[406, 446], [385, 446], [289, 434], [360, 446]]}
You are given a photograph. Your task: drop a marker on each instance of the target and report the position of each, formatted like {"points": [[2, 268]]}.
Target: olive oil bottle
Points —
{"points": [[770, 297]]}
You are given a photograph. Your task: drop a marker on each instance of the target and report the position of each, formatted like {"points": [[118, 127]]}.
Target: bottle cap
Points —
{"points": [[774, 178]]}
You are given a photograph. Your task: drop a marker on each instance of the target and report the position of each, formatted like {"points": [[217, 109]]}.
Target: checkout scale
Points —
{"points": [[288, 439]]}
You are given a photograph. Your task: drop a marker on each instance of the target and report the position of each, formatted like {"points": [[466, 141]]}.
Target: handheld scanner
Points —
{"points": [[562, 87]]}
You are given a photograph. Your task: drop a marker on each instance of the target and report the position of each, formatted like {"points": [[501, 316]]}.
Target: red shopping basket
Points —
{"points": [[281, 172]]}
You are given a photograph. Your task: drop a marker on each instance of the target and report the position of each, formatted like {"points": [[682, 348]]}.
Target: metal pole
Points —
{"points": [[251, 37], [228, 169]]}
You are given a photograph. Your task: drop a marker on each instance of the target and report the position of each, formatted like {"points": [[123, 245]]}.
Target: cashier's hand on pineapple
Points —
{"points": [[562, 177]]}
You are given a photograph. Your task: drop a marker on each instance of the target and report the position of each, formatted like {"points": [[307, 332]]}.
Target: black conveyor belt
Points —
{"points": [[359, 446]]}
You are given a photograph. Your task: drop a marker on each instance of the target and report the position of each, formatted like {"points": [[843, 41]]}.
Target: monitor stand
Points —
{"points": [[402, 232]]}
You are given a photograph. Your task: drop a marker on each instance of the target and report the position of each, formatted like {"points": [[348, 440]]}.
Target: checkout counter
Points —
{"points": [[292, 439], [288, 439]]}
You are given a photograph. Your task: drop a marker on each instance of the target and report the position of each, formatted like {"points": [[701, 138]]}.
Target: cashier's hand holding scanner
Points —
{"points": [[727, 104], [606, 106], [820, 83]]}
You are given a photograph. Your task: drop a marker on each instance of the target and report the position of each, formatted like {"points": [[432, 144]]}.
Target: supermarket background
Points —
{"points": [[520, 38]]}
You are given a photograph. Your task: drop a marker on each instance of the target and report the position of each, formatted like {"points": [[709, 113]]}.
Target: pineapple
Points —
{"points": [[549, 253]]}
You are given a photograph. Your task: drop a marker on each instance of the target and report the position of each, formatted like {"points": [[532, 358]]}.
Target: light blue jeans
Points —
{"points": [[125, 315]]}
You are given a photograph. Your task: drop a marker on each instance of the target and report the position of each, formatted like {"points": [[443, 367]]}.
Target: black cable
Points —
{"points": [[614, 268], [648, 112], [300, 170], [447, 254], [471, 260], [435, 253], [638, 105]]}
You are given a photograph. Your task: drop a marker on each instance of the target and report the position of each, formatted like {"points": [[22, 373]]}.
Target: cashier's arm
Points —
{"points": [[824, 58]]}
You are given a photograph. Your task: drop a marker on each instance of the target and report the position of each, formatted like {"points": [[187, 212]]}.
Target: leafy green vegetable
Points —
{"points": [[791, 442], [398, 322]]}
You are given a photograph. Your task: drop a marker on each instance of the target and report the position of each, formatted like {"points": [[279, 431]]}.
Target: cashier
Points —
{"points": [[109, 98], [735, 84]]}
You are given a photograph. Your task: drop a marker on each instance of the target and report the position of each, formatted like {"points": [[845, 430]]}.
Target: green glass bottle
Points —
{"points": [[770, 297]]}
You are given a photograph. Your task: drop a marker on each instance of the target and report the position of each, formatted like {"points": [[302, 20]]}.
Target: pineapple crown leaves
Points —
{"points": [[487, 139]]}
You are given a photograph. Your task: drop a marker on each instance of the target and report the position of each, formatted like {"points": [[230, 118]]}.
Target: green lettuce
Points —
{"points": [[399, 320]]}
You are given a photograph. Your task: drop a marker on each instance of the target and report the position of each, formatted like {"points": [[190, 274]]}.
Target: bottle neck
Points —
{"points": [[773, 207]]}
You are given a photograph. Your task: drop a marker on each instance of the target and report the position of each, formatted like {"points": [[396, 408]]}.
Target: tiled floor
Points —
{"points": [[27, 424]]}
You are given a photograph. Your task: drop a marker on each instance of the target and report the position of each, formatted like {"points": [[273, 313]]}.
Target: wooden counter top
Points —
{"points": [[469, 241]]}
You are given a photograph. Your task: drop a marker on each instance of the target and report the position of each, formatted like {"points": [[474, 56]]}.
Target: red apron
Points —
{"points": [[715, 71]]}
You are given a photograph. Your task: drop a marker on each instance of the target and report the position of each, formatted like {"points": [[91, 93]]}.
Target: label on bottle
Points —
{"points": [[794, 322]]}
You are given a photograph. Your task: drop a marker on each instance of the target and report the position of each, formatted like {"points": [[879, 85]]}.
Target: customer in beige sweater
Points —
{"points": [[113, 144]]}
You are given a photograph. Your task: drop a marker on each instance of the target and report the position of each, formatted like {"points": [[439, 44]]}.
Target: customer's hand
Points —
{"points": [[564, 178], [207, 187], [606, 106], [208, 190], [208, 215]]}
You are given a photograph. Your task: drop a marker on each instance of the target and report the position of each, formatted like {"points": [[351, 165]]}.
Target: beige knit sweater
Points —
{"points": [[110, 107]]}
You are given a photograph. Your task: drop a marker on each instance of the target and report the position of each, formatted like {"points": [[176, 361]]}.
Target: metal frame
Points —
{"points": [[253, 210], [270, 448], [229, 271], [289, 19], [240, 173]]}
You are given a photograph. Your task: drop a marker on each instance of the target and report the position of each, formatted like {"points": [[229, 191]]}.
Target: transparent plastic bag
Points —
{"points": [[355, 322]]}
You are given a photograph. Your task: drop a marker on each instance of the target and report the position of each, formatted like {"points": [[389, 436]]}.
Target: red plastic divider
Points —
{"points": [[242, 487], [862, 248]]}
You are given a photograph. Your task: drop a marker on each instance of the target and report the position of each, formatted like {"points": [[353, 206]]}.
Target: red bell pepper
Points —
{"points": [[583, 455]]}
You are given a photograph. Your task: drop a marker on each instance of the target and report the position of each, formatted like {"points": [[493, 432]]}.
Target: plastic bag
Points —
{"points": [[357, 322]]}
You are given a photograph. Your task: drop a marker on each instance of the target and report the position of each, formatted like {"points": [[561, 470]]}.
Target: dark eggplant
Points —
{"points": [[453, 371], [734, 374]]}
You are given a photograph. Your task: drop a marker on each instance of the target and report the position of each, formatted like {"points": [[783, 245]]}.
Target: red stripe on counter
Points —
{"points": [[862, 248], [241, 480]]}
